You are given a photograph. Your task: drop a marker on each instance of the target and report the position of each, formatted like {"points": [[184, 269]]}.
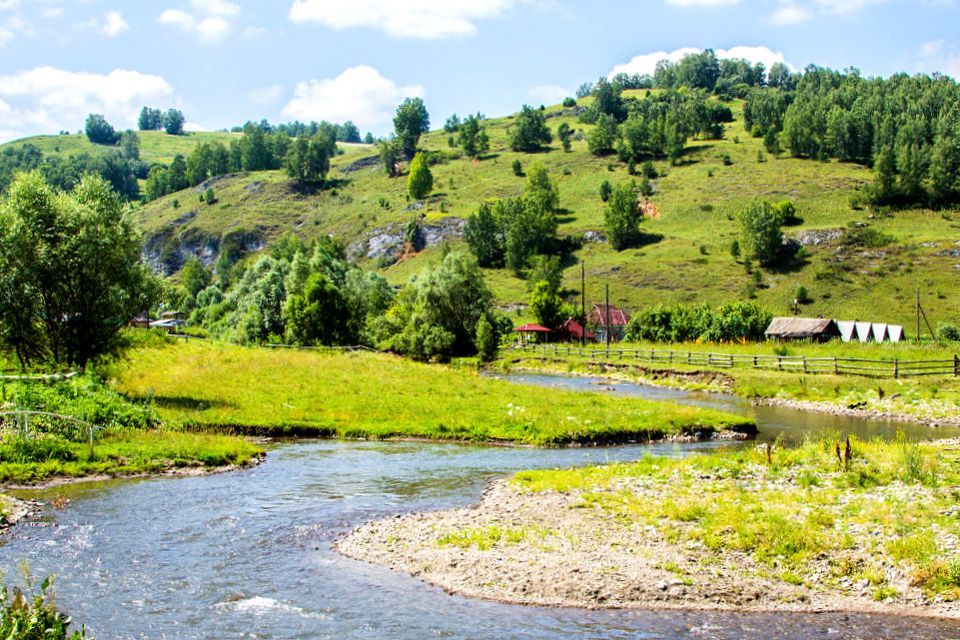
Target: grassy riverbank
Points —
{"points": [[802, 531], [129, 439], [363, 395], [926, 399]]}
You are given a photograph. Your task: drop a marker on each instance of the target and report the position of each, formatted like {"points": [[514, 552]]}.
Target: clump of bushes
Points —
{"points": [[731, 322], [28, 616], [948, 332]]}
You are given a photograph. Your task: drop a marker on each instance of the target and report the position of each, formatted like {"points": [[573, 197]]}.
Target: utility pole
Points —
{"points": [[608, 317], [918, 314], [583, 303]]}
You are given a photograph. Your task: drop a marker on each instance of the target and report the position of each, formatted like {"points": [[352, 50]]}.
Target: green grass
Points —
{"points": [[881, 515], [155, 146], [929, 398], [123, 453], [266, 391]]}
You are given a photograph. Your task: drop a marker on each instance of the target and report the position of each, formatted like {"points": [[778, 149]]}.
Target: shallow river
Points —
{"points": [[247, 554]]}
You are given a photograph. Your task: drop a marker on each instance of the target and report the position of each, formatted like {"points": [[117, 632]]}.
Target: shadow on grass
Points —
{"points": [[192, 404]]}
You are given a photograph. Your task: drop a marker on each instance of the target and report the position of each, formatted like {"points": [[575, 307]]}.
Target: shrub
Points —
{"points": [[734, 321], [948, 332], [518, 168], [606, 189], [569, 102], [29, 616], [210, 197]]}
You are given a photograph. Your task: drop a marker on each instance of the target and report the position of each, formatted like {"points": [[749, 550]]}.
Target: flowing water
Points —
{"points": [[248, 554]]}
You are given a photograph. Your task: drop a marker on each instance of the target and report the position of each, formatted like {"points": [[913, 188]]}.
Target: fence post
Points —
{"points": [[804, 364], [896, 369], [836, 366], [956, 365]]}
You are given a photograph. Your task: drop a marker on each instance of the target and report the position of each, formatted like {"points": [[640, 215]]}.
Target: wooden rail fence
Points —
{"points": [[795, 364]]}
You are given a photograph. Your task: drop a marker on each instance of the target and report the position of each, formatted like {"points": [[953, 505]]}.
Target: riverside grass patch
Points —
{"points": [[878, 525], [119, 453], [363, 395]]}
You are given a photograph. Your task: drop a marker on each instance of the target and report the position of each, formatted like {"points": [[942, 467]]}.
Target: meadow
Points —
{"points": [[259, 391]]}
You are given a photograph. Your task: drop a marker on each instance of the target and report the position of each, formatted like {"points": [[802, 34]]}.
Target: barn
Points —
{"points": [[817, 329]]}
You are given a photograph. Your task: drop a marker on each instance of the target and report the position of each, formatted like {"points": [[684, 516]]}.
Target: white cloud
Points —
{"points": [[936, 56], [266, 95], [9, 5], [47, 99], [790, 14], [646, 63], [51, 12], [549, 94], [359, 94], [209, 19], [686, 4], [425, 19], [845, 6], [114, 24]]}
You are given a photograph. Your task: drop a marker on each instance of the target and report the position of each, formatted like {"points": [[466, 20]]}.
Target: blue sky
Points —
{"points": [[227, 61]]}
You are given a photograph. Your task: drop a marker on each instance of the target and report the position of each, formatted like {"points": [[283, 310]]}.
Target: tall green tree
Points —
{"points": [[173, 122], [529, 132], [547, 305], [484, 234], [308, 159], [622, 217], [472, 137], [70, 271], [411, 121], [761, 236], [540, 191], [99, 131], [420, 181]]}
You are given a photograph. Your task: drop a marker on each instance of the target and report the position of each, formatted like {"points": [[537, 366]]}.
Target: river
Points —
{"points": [[248, 554]]}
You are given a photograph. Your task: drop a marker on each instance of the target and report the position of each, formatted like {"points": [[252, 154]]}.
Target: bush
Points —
{"points": [[210, 197], [569, 102], [948, 332], [736, 321], [518, 168], [606, 189], [30, 616]]}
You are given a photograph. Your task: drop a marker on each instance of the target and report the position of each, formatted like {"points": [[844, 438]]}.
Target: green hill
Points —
{"points": [[686, 256], [155, 146]]}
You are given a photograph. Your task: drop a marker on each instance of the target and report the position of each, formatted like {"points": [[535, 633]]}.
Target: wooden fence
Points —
{"points": [[794, 364]]}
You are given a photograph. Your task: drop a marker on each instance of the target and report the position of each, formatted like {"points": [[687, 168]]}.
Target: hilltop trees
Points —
{"points": [[410, 122], [150, 119], [173, 121], [99, 131], [530, 132], [70, 272]]}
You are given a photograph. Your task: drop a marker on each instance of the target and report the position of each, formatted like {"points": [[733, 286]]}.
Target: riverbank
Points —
{"points": [[724, 531], [255, 391], [931, 402]]}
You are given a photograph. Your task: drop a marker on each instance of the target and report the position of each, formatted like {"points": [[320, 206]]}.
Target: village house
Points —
{"points": [[603, 316], [816, 329]]}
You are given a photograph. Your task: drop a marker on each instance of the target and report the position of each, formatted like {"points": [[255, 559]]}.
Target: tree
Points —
{"points": [[540, 191], [349, 132], [780, 77], [530, 132], [420, 181], [410, 122], [99, 131], [545, 269], [484, 234], [565, 135], [602, 140], [195, 277], [473, 137], [435, 317], [760, 234], [70, 271], [529, 230], [390, 157], [130, 145], [546, 305], [178, 174], [308, 159], [607, 101], [606, 190], [210, 197], [319, 315], [622, 217], [486, 340], [173, 122], [150, 119], [452, 125]]}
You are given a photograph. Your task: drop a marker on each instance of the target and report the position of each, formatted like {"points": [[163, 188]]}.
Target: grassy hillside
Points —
{"points": [[686, 257], [155, 146]]}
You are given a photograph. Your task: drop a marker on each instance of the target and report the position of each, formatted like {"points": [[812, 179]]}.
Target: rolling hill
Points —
{"points": [[686, 253]]}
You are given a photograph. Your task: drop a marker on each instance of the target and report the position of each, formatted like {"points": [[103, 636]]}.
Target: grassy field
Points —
{"points": [[155, 146], [933, 398], [883, 523], [685, 257], [123, 453], [263, 391]]}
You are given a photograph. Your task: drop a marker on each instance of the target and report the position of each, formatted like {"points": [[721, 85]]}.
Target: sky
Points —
{"points": [[224, 62]]}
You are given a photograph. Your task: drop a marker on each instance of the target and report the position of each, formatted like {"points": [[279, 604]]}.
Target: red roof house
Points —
{"points": [[530, 331], [573, 331]]}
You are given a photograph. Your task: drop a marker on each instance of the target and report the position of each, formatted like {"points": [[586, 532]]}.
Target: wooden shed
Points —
{"points": [[819, 329]]}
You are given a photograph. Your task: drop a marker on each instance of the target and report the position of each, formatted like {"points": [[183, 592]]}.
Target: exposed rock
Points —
{"points": [[362, 163], [388, 242], [594, 236], [816, 237]]}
